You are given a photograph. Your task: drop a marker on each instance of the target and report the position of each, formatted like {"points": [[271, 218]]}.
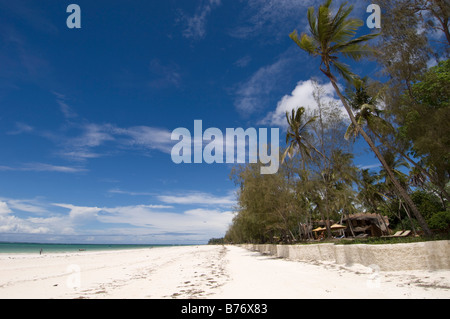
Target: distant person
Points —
{"points": [[40, 252]]}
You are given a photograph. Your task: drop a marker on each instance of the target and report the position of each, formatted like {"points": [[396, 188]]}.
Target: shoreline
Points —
{"points": [[7, 248], [203, 272]]}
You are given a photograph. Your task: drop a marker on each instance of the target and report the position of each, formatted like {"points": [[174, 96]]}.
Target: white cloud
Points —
{"points": [[152, 222], [9, 223], [21, 128], [250, 95], [196, 221], [195, 26], [66, 110], [12, 224], [369, 166], [96, 140], [302, 96], [147, 137], [243, 62], [164, 75], [93, 135], [4, 209], [43, 167], [80, 213], [29, 206], [199, 199], [119, 191], [276, 18]]}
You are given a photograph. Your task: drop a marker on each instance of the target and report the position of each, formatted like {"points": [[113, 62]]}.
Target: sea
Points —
{"points": [[35, 248]]}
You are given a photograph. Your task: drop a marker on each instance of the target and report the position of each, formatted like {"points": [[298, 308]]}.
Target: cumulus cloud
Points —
{"points": [[10, 223], [209, 217], [13, 224], [4, 209], [80, 213], [302, 96]]}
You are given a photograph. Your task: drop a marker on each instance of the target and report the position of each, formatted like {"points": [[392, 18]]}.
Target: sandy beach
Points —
{"points": [[216, 272]]}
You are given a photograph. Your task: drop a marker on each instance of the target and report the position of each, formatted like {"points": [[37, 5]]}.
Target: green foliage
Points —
{"points": [[440, 220], [317, 178], [433, 89], [427, 202], [216, 241], [332, 35], [425, 118], [295, 136], [384, 241], [267, 207], [426, 114], [314, 183]]}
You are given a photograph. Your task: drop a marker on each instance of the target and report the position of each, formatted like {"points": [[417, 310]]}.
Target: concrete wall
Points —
{"points": [[430, 255]]}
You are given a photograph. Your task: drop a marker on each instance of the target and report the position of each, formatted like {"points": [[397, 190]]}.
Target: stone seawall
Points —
{"points": [[432, 255]]}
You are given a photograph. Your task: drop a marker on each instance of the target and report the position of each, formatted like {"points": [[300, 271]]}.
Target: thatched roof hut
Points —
{"points": [[366, 223]]}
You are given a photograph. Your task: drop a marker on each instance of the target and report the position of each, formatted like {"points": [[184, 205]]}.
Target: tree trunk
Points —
{"points": [[400, 189], [409, 159], [409, 217]]}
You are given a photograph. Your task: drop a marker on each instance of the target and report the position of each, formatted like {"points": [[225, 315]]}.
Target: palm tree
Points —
{"points": [[395, 164], [296, 136], [335, 35], [368, 114]]}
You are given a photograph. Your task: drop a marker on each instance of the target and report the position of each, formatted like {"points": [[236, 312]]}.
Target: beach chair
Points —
{"points": [[397, 234], [400, 233], [406, 233]]}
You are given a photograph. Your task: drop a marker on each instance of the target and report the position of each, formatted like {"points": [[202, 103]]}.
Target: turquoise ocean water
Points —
{"points": [[27, 248]]}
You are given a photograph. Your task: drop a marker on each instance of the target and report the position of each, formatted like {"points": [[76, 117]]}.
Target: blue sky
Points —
{"points": [[86, 114]]}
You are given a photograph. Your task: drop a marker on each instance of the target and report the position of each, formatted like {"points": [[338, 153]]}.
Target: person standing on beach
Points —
{"points": [[40, 252]]}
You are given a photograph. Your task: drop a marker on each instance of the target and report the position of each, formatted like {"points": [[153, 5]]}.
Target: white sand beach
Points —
{"points": [[222, 272]]}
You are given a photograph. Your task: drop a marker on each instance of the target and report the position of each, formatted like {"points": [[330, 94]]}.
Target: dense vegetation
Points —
{"points": [[403, 117]]}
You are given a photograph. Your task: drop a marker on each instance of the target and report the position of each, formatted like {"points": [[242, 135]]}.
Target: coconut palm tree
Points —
{"points": [[395, 164], [367, 113], [335, 35], [296, 136]]}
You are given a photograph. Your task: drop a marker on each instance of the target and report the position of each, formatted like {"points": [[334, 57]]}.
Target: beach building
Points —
{"points": [[366, 224]]}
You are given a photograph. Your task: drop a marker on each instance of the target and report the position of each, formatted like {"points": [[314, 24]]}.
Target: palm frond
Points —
{"points": [[356, 51], [344, 71], [305, 42], [364, 38], [351, 132], [323, 25], [312, 21], [345, 30]]}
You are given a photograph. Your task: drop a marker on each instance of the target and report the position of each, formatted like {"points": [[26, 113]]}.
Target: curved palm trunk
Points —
{"points": [[409, 159], [380, 157]]}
